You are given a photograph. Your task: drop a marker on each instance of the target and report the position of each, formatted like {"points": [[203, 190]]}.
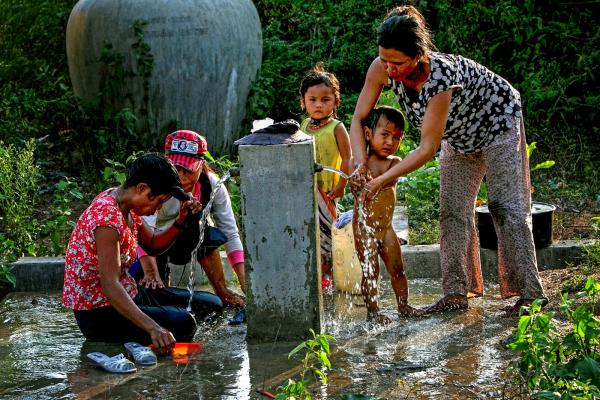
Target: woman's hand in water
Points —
{"points": [[162, 339], [371, 189]]}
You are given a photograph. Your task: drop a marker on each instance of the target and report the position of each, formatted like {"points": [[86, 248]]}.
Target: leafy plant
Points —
{"points": [[555, 365], [6, 275], [58, 227], [315, 362], [221, 165], [115, 173], [483, 192], [19, 180], [421, 191]]}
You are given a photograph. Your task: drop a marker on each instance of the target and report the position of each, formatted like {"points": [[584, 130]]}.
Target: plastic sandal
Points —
{"points": [[117, 364], [239, 317], [141, 354]]}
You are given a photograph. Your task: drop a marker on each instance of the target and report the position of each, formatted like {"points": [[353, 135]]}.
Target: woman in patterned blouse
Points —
{"points": [[475, 117]]}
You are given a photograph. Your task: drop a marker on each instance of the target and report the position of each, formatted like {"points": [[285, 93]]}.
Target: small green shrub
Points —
{"points": [[58, 227], [574, 284], [19, 180], [422, 195], [555, 365], [7, 276], [221, 165], [315, 362]]}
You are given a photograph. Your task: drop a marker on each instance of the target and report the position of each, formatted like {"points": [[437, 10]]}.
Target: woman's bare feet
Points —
{"points": [[408, 311], [377, 318], [449, 303], [515, 310]]}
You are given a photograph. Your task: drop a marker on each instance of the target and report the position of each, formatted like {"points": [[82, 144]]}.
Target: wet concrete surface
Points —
{"points": [[454, 355]]}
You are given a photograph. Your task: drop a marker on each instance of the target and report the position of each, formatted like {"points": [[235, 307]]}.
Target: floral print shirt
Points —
{"points": [[483, 104], [82, 289]]}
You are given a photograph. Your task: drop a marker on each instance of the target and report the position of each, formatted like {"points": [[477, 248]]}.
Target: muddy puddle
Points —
{"points": [[447, 356]]}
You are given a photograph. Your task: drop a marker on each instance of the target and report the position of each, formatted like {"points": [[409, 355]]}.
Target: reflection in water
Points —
{"points": [[446, 356]]}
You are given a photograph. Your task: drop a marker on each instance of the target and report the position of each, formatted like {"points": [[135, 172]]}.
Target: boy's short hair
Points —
{"points": [[157, 172], [393, 115]]}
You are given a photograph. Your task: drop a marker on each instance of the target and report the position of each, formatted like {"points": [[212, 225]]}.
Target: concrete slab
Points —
{"points": [[47, 273], [423, 261]]}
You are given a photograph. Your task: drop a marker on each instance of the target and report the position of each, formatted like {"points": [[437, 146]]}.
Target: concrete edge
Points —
{"points": [[423, 261]]}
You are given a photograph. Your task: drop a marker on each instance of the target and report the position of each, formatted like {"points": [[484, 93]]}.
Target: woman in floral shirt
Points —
{"points": [[107, 304]]}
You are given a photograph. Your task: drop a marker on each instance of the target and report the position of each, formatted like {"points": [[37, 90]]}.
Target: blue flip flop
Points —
{"points": [[141, 354], [239, 317], [118, 364]]}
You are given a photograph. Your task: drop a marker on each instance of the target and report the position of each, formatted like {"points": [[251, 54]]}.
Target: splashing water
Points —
{"points": [[202, 222], [368, 266]]}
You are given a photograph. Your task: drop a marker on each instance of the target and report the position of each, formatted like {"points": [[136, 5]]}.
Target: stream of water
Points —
{"points": [[202, 222], [335, 171]]}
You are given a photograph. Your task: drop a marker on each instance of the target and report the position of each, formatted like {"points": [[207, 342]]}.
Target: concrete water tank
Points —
{"points": [[205, 55]]}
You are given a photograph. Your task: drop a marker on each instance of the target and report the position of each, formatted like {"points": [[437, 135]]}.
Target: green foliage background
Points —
{"points": [[548, 49]]}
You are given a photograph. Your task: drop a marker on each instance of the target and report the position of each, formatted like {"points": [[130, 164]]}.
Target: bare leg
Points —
{"points": [[366, 249], [392, 257], [213, 267]]}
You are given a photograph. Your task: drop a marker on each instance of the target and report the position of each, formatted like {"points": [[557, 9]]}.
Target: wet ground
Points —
{"points": [[449, 356]]}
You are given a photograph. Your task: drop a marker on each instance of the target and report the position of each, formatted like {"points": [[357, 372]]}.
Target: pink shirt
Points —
{"points": [[82, 289]]}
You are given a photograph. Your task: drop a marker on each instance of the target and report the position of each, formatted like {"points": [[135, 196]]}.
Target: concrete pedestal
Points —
{"points": [[281, 240]]}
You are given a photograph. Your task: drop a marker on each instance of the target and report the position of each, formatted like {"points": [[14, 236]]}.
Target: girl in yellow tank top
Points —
{"points": [[320, 97]]}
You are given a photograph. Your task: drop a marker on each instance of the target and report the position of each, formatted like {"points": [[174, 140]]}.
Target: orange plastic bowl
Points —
{"points": [[182, 352]]}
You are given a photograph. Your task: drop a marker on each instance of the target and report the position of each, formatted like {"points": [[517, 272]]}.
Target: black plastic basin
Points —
{"points": [[541, 214]]}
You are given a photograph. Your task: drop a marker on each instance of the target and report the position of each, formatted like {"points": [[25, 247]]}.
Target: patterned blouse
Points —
{"points": [[82, 289], [483, 103]]}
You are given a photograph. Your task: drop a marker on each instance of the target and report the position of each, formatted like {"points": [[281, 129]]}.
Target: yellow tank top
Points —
{"points": [[327, 153]]}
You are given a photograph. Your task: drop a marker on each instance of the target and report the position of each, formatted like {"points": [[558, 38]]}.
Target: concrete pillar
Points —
{"points": [[281, 240]]}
